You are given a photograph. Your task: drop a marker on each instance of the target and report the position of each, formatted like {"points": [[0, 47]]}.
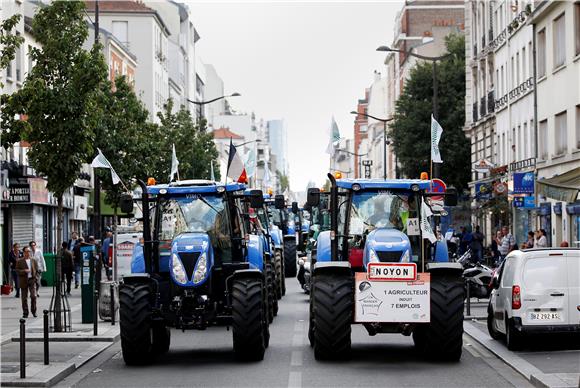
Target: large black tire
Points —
{"points": [[311, 322], [493, 333], [290, 258], [278, 270], [135, 323], [250, 320], [161, 339], [271, 296], [442, 339], [513, 337], [332, 309]]}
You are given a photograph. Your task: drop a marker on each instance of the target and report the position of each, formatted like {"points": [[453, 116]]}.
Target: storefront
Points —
{"points": [[521, 195]]}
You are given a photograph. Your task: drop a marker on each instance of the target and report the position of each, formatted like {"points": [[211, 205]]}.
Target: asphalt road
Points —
{"points": [[205, 358]]}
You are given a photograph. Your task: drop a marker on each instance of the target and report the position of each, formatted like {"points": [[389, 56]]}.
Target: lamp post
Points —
{"points": [[357, 155], [202, 103], [434, 61], [384, 121]]}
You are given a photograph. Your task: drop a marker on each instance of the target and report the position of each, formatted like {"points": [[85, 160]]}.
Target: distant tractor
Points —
{"points": [[287, 225], [375, 267], [200, 271]]}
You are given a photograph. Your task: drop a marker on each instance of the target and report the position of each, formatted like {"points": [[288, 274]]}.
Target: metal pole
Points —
{"points": [[96, 285], [436, 166], [112, 304], [468, 297], [45, 317], [22, 349], [385, 150]]}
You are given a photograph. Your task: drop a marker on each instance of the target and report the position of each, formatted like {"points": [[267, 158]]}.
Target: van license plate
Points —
{"points": [[545, 316]]}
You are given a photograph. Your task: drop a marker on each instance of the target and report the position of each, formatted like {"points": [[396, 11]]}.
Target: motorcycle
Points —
{"points": [[477, 276]]}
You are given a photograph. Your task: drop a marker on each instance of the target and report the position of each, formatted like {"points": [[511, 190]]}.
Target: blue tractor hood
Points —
{"points": [[388, 246], [191, 250]]}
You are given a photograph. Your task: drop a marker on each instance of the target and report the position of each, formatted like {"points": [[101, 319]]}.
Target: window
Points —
{"points": [[514, 145], [531, 63], [541, 53], [561, 133], [513, 75], [533, 139], [559, 41], [577, 27], [503, 157], [518, 70], [30, 61], [519, 144], [543, 140], [121, 31], [525, 141], [578, 126], [524, 73]]}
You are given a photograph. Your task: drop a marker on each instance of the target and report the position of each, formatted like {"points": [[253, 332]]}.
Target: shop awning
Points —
{"points": [[563, 187]]}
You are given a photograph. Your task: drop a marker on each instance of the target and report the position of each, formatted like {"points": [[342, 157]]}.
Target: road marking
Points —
{"points": [[296, 359], [295, 380], [297, 340]]}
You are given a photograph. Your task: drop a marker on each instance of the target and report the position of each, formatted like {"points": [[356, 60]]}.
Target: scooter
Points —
{"points": [[477, 276]]}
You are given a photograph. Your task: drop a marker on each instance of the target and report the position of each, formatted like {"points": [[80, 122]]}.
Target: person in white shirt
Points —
{"points": [[541, 239], [39, 258]]}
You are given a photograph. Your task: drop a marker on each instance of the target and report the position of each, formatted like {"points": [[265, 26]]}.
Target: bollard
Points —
{"points": [[112, 304], [22, 349], [95, 312], [468, 298], [45, 337]]}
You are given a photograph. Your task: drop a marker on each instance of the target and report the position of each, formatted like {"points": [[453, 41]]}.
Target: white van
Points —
{"points": [[536, 291]]}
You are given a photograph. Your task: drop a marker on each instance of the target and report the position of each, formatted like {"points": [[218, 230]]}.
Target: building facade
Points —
{"points": [[360, 134]]}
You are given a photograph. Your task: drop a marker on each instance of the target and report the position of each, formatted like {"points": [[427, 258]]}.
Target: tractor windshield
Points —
{"points": [[380, 209]]}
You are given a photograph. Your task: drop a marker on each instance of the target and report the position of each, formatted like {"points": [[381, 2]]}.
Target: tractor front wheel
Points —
{"points": [[135, 323], [278, 270], [250, 320], [290, 258]]}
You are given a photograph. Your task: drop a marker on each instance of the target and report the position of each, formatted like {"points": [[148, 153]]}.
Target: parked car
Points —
{"points": [[535, 291]]}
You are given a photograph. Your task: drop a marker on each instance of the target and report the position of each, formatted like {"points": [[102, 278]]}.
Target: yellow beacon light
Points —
{"points": [[338, 175], [424, 176], [270, 191], [151, 181]]}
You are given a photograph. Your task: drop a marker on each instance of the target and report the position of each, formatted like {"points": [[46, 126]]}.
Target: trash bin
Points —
{"points": [[105, 299], [49, 276]]}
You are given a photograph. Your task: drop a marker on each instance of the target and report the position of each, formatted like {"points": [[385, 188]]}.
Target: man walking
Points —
{"points": [[39, 258], [77, 257], [27, 269], [13, 257], [477, 244], [74, 240], [507, 242], [66, 262], [105, 251]]}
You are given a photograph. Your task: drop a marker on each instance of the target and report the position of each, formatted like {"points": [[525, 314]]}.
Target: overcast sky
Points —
{"points": [[300, 61]]}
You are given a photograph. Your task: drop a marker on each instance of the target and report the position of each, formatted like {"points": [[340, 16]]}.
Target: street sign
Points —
{"points": [[437, 186]]}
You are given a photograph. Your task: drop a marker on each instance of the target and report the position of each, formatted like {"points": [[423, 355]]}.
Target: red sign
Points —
{"points": [[437, 186]]}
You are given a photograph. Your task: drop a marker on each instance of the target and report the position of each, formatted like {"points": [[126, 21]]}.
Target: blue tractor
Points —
{"points": [[382, 266], [287, 225], [202, 268]]}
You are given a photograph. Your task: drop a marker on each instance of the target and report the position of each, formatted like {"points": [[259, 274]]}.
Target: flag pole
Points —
{"points": [[229, 156]]}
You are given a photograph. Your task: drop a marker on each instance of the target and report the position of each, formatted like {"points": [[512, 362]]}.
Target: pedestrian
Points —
{"points": [[77, 257], [477, 244], [105, 251], [74, 240], [508, 242], [564, 244], [466, 238], [541, 240], [66, 264], [138, 259], [39, 258], [27, 268], [531, 240], [13, 257], [495, 243]]}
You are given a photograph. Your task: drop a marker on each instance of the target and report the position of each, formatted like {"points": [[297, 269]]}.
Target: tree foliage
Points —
{"points": [[194, 145], [283, 181], [411, 129], [9, 41]]}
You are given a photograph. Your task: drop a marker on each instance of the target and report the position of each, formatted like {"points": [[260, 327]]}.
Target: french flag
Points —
{"points": [[236, 169]]}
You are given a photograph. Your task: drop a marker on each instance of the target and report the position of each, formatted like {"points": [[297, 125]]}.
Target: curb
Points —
{"points": [[534, 375]]}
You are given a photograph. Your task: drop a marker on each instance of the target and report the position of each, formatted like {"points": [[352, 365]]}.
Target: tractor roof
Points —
{"points": [[194, 186], [387, 184]]}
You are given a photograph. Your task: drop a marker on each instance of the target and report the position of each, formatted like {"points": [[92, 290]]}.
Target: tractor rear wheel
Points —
{"points": [[442, 339], [271, 297], [278, 270], [250, 320], [290, 258], [135, 323], [332, 310]]}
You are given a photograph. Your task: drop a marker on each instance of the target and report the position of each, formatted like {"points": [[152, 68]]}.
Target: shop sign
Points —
{"points": [[483, 166], [483, 191], [17, 193], [38, 191], [500, 188], [524, 202], [524, 183]]}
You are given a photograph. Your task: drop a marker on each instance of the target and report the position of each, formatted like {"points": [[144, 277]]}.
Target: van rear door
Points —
{"points": [[573, 259], [544, 292]]}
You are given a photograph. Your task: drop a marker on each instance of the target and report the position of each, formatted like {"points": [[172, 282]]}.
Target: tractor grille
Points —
{"points": [[389, 256], [189, 259]]}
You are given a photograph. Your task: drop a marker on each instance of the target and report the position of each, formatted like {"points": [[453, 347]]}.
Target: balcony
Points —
{"points": [[482, 107], [521, 89], [491, 101], [475, 117]]}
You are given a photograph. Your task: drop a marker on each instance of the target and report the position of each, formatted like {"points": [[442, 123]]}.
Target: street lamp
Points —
{"points": [[248, 142], [384, 121], [434, 61], [213, 100]]}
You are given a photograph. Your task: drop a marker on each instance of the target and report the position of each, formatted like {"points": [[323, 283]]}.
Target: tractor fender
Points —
{"points": [[142, 278], [441, 252], [255, 253], [275, 233], [338, 267], [323, 253], [446, 268]]}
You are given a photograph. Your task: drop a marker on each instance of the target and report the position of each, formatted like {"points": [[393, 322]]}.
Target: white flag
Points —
{"points": [[174, 165], [436, 132], [101, 162], [334, 137], [266, 181], [426, 229], [212, 175]]}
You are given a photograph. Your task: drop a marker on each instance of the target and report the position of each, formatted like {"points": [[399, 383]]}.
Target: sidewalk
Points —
{"points": [[67, 351], [546, 361]]}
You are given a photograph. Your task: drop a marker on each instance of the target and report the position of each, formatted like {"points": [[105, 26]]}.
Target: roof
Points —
{"points": [[225, 133], [194, 187], [124, 6], [404, 184]]}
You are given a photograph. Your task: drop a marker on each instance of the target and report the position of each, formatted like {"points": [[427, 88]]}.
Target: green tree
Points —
{"points": [[283, 181], [411, 129], [194, 145], [9, 41]]}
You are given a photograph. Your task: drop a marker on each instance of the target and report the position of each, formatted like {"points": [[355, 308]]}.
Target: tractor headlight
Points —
{"points": [[200, 269], [406, 257], [373, 258], [178, 270]]}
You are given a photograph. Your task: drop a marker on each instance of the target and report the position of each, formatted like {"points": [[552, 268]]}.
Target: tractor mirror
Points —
{"points": [[279, 201], [126, 203], [307, 207], [313, 196], [451, 196], [256, 199], [295, 209]]}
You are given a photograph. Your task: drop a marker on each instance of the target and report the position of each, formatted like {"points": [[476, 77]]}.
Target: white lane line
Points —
{"points": [[295, 380], [297, 340], [296, 359]]}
